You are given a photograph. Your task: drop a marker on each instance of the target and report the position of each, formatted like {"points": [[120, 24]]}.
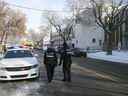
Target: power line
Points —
{"points": [[35, 9]]}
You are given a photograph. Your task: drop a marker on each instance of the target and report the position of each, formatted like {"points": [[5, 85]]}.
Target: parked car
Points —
{"points": [[79, 52], [18, 64]]}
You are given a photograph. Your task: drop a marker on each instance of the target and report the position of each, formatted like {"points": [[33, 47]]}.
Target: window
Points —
{"points": [[18, 54], [100, 42], [93, 40]]}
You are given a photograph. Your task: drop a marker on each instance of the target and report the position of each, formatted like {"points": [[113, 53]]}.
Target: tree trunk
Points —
{"points": [[2, 37], [109, 44], [6, 38]]}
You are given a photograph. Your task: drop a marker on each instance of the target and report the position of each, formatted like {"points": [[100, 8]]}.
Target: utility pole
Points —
{"points": [[50, 33]]}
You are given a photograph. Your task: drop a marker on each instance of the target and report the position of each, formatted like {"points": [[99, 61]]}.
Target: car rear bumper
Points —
{"points": [[19, 75]]}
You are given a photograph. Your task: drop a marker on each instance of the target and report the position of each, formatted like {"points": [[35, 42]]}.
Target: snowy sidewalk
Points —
{"points": [[121, 57]]}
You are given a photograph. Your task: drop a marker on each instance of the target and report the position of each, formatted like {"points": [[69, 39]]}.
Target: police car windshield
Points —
{"points": [[18, 54]]}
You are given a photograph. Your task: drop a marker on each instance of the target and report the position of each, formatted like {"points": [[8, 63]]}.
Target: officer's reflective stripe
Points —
{"points": [[50, 56]]}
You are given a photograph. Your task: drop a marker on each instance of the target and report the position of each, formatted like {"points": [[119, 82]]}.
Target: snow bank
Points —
{"points": [[121, 57]]}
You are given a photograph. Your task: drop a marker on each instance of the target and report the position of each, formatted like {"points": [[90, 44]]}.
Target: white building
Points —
{"points": [[87, 33]]}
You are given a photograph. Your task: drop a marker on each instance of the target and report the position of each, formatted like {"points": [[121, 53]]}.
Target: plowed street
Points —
{"points": [[89, 78]]}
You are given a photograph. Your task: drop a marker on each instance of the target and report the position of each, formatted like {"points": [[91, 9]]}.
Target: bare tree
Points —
{"points": [[12, 22], [39, 35], [107, 17], [33, 35], [64, 26], [3, 21], [78, 5], [43, 30], [17, 22]]}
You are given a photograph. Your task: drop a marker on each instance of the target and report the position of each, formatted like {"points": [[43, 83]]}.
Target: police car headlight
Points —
{"points": [[34, 66]]}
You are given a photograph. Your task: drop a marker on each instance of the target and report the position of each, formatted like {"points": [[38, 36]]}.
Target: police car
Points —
{"points": [[18, 64]]}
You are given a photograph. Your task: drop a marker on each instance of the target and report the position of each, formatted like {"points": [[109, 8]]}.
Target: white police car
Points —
{"points": [[18, 64]]}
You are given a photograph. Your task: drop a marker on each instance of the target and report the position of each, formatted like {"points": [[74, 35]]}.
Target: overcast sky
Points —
{"points": [[34, 17]]}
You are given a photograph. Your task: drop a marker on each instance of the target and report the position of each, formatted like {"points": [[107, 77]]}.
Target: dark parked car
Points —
{"points": [[79, 52]]}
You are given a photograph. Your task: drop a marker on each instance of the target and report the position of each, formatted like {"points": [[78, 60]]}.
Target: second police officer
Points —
{"points": [[66, 60]]}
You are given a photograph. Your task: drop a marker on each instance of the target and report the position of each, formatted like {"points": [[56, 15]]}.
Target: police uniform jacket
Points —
{"points": [[50, 57]]}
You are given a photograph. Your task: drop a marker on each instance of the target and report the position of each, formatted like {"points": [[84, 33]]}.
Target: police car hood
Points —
{"points": [[18, 62]]}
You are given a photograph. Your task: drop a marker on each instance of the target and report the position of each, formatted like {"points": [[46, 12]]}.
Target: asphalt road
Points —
{"points": [[89, 78]]}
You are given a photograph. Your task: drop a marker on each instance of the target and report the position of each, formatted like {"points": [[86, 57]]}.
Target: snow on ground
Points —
{"points": [[121, 57]]}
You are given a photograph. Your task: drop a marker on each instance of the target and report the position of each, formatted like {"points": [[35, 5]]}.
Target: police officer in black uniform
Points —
{"points": [[66, 60], [50, 61]]}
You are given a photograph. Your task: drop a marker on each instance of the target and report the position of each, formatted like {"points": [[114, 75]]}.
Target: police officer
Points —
{"points": [[65, 59], [50, 61]]}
